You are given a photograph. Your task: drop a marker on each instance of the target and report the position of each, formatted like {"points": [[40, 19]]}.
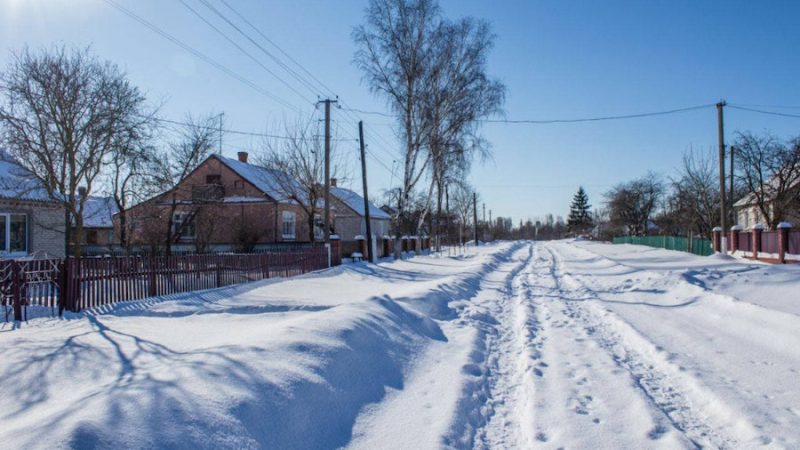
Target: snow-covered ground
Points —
{"points": [[517, 345]]}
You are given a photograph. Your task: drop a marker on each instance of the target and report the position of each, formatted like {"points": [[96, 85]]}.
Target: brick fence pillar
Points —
{"points": [[716, 240], [336, 250], [735, 238], [757, 229], [783, 240]]}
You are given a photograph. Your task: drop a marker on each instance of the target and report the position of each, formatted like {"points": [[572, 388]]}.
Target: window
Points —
{"points": [[319, 228], [213, 179], [183, 225], [288, 225], [238, 184], [91, 237], [13, 233]]}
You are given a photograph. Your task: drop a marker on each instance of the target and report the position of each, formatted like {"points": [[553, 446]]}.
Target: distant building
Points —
{"points": [[31, 224], [351, 220], [98, 221]]}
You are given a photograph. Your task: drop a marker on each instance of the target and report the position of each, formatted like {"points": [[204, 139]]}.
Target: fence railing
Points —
{"points": [[698, 246], [780, 245], [74, 284]]}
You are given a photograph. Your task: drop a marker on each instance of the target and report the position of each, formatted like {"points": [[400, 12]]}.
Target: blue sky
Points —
{"points": [[559, 59]]}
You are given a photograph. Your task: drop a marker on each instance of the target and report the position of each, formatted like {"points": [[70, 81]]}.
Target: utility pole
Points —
{"points": [[370, 256], [475, 215], [491, 227], [730, 191], [721, 137], [327, 220]]}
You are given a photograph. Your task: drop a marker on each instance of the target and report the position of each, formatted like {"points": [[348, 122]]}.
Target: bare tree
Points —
{"points": [[393, 51], [129, 181], [695, 194], [632, 204], [176, 163], [770, 171], [433, 74], [460, 93], [461, 201], [64, 113], [296, 169]]}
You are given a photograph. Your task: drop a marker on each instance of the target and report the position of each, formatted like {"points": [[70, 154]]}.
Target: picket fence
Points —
{"points": [[73, 284]]}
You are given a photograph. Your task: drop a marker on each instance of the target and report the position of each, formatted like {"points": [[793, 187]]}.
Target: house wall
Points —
{"points": [[216, 223], [46, 226], [747, 216]]}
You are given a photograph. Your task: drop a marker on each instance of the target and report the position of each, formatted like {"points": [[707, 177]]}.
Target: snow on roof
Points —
{"points": [[98, 212], [356, 203], [17, 183], [266, 180]]}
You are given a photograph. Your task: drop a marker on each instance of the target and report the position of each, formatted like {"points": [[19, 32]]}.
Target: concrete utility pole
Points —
{"points": [[327, 219], [475, 215], [370, 256], [721, 136]]}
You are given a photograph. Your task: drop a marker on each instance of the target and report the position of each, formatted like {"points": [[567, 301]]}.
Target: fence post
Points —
{"points": [[757, 229], [152, 285], [62, 287], [717, 232], [783, 240], [16, 291], [735, 238]]}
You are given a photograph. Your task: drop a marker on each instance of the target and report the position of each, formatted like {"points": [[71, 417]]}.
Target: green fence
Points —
{"points": [[700, 247]]}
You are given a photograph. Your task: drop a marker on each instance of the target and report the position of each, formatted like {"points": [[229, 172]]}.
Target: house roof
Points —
{"points": [[18, 183], [751, 199], [266, 180], [98, 212], [356, 203]]}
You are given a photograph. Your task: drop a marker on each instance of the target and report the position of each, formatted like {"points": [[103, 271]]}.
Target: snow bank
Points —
{"points": [[286, 364]]}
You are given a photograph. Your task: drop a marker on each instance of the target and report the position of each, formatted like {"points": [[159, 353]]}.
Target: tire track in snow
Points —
{"points": [[697, 413], [492, 410]]}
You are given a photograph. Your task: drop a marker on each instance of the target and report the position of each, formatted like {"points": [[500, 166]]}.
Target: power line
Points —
{"points": [[239, 132], [760, 111], [241, 49], [219, 66], [583, 119], [264, 36]]}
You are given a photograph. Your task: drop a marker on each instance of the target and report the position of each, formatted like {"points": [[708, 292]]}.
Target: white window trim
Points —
{"points": [[319, 231], [6, 251], [177, 220], [285, 218]]}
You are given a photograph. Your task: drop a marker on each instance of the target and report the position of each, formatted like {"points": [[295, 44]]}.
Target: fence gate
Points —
{"points": [[25, 283]]}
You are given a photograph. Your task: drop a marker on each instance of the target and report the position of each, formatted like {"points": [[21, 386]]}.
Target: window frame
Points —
{"points": [[6, 250], [284, 216], [182, 234]]}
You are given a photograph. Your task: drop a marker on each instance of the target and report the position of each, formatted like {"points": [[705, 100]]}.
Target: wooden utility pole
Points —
{"points": [[475, 214], [370, 256], [730, 191], [327, 219], [721, 137]]}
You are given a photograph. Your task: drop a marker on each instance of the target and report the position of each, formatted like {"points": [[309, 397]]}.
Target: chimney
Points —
{"points": [[333, 182], [242, 157]]}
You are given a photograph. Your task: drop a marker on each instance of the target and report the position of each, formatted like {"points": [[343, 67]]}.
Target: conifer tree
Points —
{"points": [[580, 219]]}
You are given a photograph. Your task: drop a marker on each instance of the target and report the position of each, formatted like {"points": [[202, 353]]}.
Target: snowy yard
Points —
{"points": [[519, 345]]}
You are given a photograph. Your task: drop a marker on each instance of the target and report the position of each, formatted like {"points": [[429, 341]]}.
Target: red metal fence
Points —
{"points": [[78, 283]]}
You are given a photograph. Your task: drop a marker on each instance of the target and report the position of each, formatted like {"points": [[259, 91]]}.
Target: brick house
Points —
{"points": [[224, 204], [30, 223], [351, 221]]}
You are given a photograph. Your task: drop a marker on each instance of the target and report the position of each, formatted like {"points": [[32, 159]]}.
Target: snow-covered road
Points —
{"points": [[519, 345]]}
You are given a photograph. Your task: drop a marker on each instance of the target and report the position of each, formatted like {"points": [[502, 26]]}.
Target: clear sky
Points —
{"points": [[559, 59]]}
